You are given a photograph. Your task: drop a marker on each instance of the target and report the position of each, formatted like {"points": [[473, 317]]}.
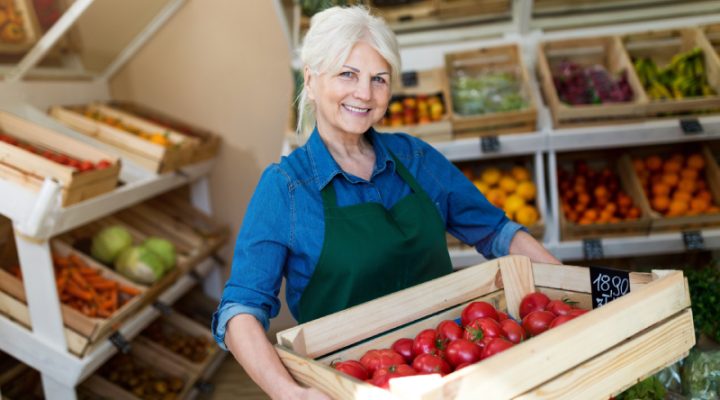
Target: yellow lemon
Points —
{"points": [[526, 190], [496, 197], [491, 176], [520, 173], [513, 203], [508, 184], [481, 186], [527, 215]]}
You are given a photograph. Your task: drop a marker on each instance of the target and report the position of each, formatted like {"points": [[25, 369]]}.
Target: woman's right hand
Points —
{"points": [[313, 394]]}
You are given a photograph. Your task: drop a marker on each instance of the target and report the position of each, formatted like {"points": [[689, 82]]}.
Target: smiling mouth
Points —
{"points": [[356, 109]]}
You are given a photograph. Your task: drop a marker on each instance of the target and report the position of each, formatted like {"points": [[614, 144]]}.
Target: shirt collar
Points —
{"points": [[325, 167]]}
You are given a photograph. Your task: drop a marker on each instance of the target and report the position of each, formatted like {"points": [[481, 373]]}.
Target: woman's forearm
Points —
{"points": [[526, 245], [246, 339]]}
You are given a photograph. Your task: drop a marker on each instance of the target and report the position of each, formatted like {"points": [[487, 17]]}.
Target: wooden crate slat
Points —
{"points": [[577, 279], [518, 281], [336, 331], [564, 347], [624, 365]]}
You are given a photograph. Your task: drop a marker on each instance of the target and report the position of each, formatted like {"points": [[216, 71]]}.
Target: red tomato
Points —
{"points": [[431, 364], [404, 347], [86, 166], [558, 307], [481, 328], [461, 366], [513, 331], [376, 359], [576, 312], [478, 309], [102, 164], [462, 351], [559, 320], [533, 302], [537, 322], [352, 368], [495, 346], [449, 330], [502, 316], [428, 342], [382, 376]]}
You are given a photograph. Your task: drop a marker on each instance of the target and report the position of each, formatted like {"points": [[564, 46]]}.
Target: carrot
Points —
{"points": [[61, 281], [103, 285], [78, 292], [103, 313], [129, 290], [77, 278], [88, 272]]}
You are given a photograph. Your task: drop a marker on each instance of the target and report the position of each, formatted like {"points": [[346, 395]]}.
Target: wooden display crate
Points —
{"points": [[661, 223], [22, 10], [81, 331], [464, 8], [606, 51], [429, 82], [538, 229], [661, 46], [30, 170], [209, 143], [147, 357], [628, 182], [500, 58], [149, 155], [403, 13], [177, 324], [593, 356]]}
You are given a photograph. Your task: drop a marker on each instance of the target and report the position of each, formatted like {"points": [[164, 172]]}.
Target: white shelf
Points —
{"points": [[510, 145], [64, 367]]}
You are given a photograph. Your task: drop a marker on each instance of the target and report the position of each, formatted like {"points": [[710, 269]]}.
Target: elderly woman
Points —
{"points": [[354, 214]]}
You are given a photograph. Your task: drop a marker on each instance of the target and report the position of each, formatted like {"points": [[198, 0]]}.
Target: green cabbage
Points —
{"points": [[163, 248], [109, 242], [140, 264]]}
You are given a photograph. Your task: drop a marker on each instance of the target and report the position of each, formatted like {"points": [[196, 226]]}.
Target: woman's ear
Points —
{"points": [[309, 83]]}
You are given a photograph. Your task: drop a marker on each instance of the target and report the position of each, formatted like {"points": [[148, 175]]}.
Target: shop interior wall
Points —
{"points": [[222, 65]]}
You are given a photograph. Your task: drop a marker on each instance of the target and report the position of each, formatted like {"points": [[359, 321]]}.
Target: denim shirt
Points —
{"points": [[284, 227]]}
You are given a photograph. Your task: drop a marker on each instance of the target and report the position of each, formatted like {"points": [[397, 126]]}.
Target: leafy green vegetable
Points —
{"points": [[162, 248], [140, 264], [109, 242], [701, 375], [648, 389], [705, 297], [489, 92]]}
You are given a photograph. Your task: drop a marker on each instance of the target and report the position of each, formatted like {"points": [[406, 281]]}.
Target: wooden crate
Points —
{"points": [[81, 331], [99, 385], [403, 13], [149, 155], [661, 223], [499, 58], [175, 323], [209, 143], [29, 170], [661, 46], [606, 51], [464, 8], [429, 82], [593, 356], [23, 14], [628, 182]]}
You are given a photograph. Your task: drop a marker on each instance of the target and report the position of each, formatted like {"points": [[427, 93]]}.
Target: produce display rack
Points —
{"points": [[38, 217]]}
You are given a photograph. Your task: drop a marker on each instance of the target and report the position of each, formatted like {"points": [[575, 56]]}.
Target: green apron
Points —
{"points": [[370, 251]]}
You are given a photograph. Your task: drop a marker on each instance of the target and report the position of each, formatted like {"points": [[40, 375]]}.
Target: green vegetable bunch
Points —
{"points": [[486, 93], [705, 297], [648, 389]]}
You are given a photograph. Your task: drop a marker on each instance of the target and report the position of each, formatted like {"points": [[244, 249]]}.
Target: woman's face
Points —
{"points": [[356, 97]]}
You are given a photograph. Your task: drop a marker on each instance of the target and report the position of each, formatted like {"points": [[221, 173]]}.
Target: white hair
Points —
{"points": [[327, 44]]}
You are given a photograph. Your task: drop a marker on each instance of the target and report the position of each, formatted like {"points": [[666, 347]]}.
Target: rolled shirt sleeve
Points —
{"points": [[260, 255], [469, 216]]}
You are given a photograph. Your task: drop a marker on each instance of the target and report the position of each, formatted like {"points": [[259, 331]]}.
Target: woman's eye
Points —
{"points": [[346, 74], [379, 79]]}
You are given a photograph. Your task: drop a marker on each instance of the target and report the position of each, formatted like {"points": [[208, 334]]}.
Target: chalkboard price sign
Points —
{"points": [[607, 284]]}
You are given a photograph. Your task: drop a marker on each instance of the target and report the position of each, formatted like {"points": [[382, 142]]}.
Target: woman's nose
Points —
{"points": [[363, 90]]}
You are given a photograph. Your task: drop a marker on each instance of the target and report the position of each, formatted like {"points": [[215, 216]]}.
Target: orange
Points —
{"points": [[496, 197], [611, 208], [585, 222], [590, 214], [526, 190], [670, 179], [677, 207], [508, 184], [638, 165], [653, 163], [699, 205], [520, 173], [633, 213], [689, 173], [572, 216], [686, 186], [527, 215], [583, 198], [660, 203], [681, 196], [672, 167], [705, 195], [696, 161], [491, 176], [580, 207], [660, 189], [481, 186], [601, 192], [624, 200]]}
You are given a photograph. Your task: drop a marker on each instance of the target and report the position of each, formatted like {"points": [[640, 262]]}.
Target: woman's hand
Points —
{"points": [[312, 394], [526, 245]]}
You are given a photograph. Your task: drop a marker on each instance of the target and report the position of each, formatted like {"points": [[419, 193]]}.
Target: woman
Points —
{"points": [[353, 214]]}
